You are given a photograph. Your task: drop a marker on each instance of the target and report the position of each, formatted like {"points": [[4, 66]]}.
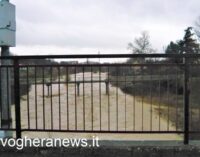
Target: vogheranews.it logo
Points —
{"points": [[21, 143]]}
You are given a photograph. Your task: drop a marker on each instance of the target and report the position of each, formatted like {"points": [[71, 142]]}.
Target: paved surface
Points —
{"points": [[135, 151]]}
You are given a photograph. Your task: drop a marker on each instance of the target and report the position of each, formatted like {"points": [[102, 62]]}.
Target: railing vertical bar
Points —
{"points": [[159, 105], [67, 79], [186, 102], [28, 101], [191, 116], [125, 107], [36, 107], [51, 98], [92, 107], [108, 70], [168, 88], [8, 93], [199, 102], [199, 116], [59, 99], [142, 79], [0, 97], [151, 114], [198, 107], [117, 97], [134, 101], [75, 79], [43, 97], [100, 112], [17, 99], [177, 98], [84, 98]]}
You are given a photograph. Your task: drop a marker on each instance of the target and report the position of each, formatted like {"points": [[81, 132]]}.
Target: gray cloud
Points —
{"points": [[101, 24]]}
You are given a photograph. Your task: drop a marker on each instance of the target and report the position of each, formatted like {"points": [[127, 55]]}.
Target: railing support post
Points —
{"points": [[107, 90], [78, 88], [17, 98], [186, 101], [48, 88]]}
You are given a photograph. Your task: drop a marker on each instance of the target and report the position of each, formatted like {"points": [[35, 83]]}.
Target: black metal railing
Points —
{"points": [[141, 93]]}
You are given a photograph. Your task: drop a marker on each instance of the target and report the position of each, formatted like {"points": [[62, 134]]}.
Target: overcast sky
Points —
{"points": [[89, 26]]}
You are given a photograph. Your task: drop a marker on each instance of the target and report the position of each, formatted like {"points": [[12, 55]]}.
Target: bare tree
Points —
{"points": [[141, 45]]}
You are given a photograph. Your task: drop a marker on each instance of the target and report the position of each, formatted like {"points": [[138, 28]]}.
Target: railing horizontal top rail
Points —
{"points": [[156, 55]]}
